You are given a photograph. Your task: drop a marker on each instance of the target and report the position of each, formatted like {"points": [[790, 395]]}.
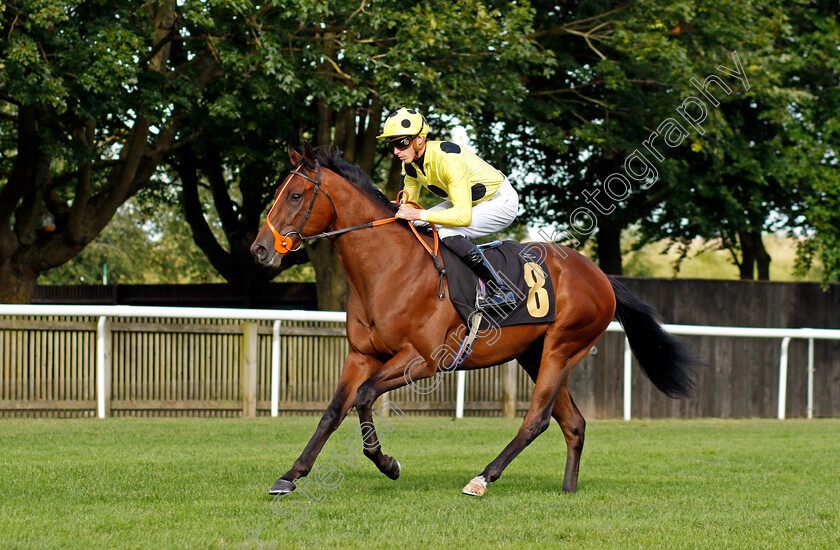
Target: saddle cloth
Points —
{"points": [[526, 275]]}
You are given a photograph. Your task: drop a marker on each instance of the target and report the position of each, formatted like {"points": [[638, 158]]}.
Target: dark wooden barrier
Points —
{"points": [[742, 377], [273, 295]]}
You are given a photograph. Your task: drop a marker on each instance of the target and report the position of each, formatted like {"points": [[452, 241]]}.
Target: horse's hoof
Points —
{"points": [[282, 487], [395, 469], [477, 487]]}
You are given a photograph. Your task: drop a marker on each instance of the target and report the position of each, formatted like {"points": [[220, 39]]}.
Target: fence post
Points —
{"points": [[783, 373], [810, 378], [248, 376], [275, 369], [377, 406], [509, 389], [460, 387], [628, 379], [103, 368]]}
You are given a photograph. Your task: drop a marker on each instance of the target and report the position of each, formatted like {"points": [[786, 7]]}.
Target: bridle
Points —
{"points": [[283, 244]]}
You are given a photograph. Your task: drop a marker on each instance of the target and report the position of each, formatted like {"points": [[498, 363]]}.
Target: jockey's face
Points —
{"points": [[407, 152]]}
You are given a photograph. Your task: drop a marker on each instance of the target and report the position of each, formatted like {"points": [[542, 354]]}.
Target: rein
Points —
{"points": [[283, 244]]}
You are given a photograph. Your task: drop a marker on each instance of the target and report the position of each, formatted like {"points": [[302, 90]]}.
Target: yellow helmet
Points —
{"points": [[404, 122]]}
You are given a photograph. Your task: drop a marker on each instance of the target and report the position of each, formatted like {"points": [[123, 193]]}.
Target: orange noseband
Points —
{"points": [[283, 243]]}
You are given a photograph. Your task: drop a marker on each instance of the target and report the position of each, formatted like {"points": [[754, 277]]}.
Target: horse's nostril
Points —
{"points": [[259, 251]]}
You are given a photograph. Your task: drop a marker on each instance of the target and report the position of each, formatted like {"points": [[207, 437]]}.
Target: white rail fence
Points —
{"points": [[785, 334], [103, 355]]}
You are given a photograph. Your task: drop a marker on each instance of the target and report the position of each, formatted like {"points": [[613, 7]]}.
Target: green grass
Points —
{"points": [[199, 483]]}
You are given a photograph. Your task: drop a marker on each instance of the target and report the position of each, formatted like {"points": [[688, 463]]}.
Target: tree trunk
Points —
{"points": [[394, 183], [323, 138], [367, 147], [751, 249], [359, 146], [762, 259], [349, 142], [17, 284], [608, 241], [340, 136]]}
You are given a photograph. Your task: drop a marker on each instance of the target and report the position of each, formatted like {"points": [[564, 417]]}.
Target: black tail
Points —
{"points": [[667, 361]]}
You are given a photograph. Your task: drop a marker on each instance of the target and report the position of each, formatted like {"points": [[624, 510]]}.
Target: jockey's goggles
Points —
{"points": [[402, 143]]}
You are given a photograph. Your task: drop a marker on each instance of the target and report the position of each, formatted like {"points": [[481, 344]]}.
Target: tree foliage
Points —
{"points": [[193, 103], [92, 99], [623, 69]]}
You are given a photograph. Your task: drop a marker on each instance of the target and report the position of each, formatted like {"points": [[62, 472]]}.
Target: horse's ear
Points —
{"points": [[294, 156], [308, 153]]}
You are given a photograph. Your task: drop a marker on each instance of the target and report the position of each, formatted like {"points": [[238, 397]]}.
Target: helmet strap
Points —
{"points": [[416, 152]]}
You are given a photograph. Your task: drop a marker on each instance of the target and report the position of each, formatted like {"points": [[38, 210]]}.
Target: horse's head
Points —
{"points": [[301, 207]]}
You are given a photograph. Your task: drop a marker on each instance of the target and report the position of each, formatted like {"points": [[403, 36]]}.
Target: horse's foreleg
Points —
{"points": [[404, 368], [357, 369]]}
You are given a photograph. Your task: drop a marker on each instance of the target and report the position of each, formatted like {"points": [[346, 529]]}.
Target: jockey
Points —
{"points": [[479, 199]]}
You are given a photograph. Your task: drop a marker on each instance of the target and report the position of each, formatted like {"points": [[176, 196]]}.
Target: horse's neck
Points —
{"points": [[374, 257]]}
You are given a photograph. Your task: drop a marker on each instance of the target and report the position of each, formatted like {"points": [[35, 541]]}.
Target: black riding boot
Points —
{"points": [[498, 293]]}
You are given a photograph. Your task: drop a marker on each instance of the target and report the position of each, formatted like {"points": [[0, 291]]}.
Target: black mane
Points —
{"points": [[332, 159]]}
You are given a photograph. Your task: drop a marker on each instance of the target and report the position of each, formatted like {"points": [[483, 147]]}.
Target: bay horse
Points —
{"points": [[395, 316]]}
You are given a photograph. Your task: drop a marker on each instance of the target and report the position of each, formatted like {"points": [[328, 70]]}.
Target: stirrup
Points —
{"points": [[496, 292]]}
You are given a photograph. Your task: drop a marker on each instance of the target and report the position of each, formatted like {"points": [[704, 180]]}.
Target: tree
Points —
{"points": [[770, 154], [815, 68], [91, 104], [623, 68], [342, 65]]}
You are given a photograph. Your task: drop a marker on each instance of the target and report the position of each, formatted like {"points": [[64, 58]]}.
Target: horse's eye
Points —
{"points": [[295, 197]]}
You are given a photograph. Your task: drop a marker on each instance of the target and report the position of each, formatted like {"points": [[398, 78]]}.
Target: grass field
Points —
{"points": [[200, 483]]}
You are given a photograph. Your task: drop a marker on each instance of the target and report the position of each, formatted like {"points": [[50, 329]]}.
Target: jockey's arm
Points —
{"points": [[412, 187]]}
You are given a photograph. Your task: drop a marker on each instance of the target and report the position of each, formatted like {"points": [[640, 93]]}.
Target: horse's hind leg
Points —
{"points": [[573, 425], [567, 415], [559, 355], [535, 422]]}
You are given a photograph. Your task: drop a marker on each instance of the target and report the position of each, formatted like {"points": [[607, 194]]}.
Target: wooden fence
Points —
{"points": [[222, 368], [189, 367]]}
